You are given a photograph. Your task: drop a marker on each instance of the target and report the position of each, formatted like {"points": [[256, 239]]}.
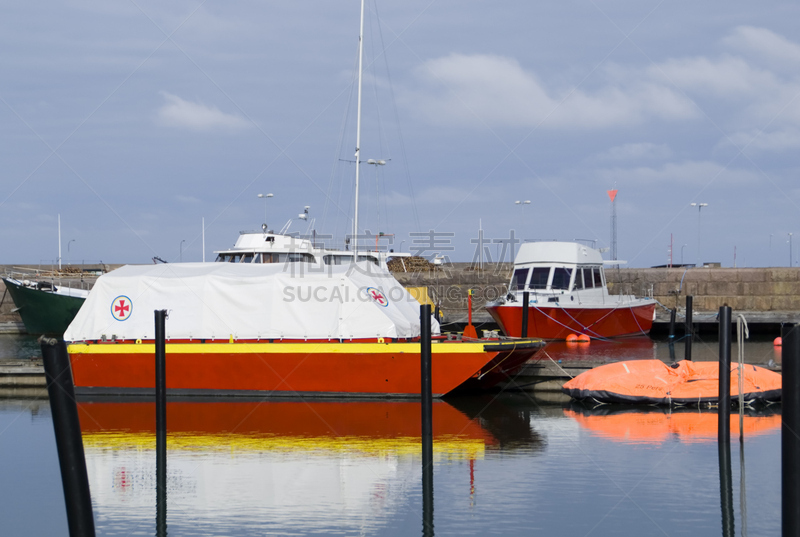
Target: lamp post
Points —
{"points": [[522, 205], [69, 258], [181, 250], [401, 245], [790, 249], [265, 196], [699, 210], [682, 247]]}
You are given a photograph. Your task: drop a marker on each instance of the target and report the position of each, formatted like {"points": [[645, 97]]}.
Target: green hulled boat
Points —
{"points": [[45, 308]]}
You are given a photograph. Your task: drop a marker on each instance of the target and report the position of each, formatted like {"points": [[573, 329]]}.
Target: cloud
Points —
{"points": [[693, 173], [728, 77], [635, 151], [765, 43], [758, 141], [182, 114], [496, 90]]}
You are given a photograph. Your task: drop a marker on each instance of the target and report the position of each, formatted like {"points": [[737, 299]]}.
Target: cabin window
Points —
{"points": [[539, 277], [247, 258], [333, 259], [588, 282], [296, 257], [598, 278], [561, 277], [519, 278], [369, 258]]}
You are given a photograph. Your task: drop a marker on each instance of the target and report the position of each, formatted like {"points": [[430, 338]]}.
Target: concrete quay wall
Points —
{"points": [[754, 290], [743, 289]]}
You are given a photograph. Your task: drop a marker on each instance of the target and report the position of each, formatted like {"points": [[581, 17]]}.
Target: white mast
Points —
{"points": [[358, 131]]}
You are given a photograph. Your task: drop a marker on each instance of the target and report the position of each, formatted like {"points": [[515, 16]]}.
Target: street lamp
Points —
{"points": [[699, 210], [181, 250], [69, 258], [790, 249], [682, 247], [265, 196], [522, 205], [401, 245]]}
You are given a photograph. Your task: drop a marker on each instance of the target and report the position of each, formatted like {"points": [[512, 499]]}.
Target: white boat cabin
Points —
{"points": [[558, 268], [269, 247]]}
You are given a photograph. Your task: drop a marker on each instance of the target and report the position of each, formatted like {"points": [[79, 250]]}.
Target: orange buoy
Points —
{"points": [[572, 338], [583, 338], [778, 342]]}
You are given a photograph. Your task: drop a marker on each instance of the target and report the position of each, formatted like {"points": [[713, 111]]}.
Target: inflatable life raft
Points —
{"points": [[684, 382]]}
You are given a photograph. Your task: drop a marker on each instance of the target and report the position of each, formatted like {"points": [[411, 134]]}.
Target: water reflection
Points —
{"points": [[644, 348], [319, 465], [19, 347], [656, 425]]}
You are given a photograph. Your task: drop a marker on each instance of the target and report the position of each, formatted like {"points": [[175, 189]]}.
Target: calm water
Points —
{"points": [[504, 465]]}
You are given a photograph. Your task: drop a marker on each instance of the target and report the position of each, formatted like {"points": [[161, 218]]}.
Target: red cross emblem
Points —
{"points": [[377, 296], [121, 308]]}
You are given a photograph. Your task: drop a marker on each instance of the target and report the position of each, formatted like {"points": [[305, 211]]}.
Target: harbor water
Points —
{"points": [[504, 464]]}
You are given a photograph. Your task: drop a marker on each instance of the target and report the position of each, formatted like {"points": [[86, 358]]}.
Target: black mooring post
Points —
{"points": [[525, 304], [672, 324], [724, 415], [69, 444], [161, 423], [427, 419], [790, 430], [687, 355]]}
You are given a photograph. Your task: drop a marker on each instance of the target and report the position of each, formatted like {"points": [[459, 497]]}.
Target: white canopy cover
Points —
{"points": [[215, 301]]}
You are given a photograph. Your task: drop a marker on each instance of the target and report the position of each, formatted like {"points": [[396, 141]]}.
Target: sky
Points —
{"points": [[139, 122]]}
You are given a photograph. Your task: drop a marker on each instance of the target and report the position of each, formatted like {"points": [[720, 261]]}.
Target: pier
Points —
{"points": [[767, 297]]}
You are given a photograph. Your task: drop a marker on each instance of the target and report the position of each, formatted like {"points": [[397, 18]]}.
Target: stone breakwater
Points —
{"points": [[769, 293]]}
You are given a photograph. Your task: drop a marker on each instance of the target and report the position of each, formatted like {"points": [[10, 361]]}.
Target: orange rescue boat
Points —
{"points": [[684, 382]]}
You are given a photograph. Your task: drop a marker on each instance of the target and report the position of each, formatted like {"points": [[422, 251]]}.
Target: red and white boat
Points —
{"points": [[270, 329], [567, 293]]}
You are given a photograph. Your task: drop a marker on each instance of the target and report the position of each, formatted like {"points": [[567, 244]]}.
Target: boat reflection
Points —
{"points": [[652, 425], [315, 465], [608, 350]]}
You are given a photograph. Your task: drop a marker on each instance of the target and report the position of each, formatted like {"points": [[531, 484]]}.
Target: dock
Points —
{"points": [[22, 379]]}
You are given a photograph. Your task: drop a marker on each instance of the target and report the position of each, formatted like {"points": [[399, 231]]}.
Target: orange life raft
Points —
{"points": [[685, 382]]}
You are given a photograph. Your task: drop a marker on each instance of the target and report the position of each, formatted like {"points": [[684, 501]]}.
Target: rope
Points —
{"points": [[556, 363], [741, 335]]}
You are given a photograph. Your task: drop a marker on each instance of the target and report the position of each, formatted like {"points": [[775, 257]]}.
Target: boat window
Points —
{"points": [[368, 258], [295, 257], [519, 279], [246, 258], [579, 278], [561, 277], [539, 277], [333, 259], [587, 278], [598, 279], [220, 258]]}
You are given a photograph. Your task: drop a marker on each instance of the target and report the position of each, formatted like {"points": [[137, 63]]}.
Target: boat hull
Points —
{"points": [[43, 312], [291, 369], [558, 322]]}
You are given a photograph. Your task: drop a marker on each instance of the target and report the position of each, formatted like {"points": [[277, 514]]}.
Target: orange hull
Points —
{"points": [[557, 322], [312, 368]]}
